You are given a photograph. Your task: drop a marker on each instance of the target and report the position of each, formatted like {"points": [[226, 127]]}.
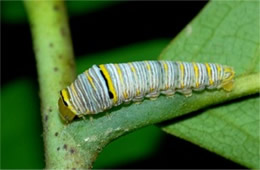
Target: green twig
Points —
{"points": [[55, 64]]}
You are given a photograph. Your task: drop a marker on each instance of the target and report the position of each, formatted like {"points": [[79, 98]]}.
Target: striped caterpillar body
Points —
{"points": [[102, 87]]}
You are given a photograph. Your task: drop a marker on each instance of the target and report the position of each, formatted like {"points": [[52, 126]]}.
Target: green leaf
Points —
{"points": [[225, 32], [91, 137]]}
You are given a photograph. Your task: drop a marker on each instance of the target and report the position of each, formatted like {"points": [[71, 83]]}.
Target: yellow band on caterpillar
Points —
{"points": [[109, 81]]}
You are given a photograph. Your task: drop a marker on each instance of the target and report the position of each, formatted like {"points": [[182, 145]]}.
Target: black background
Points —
{"points": [[119, 25]]}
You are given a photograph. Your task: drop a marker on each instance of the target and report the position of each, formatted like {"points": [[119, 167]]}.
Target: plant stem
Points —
{"points": [[55, 64]]}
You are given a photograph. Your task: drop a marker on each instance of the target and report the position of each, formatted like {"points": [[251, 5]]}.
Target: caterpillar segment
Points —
{"points": [[101, 87]]}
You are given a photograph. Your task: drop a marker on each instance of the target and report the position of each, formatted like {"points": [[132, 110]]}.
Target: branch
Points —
{"points": [[55, 64]]}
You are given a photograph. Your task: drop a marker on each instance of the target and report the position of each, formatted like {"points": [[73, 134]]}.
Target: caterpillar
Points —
{"points": [[101, 87]]}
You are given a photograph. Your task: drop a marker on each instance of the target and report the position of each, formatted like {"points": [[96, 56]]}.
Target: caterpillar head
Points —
{"points": [[67, 112], [228, 78]]}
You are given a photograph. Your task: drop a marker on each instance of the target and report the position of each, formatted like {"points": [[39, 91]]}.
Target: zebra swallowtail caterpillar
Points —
{"points": [[102, 87]]}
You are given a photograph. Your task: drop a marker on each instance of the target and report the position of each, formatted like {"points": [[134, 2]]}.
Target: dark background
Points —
{"points": [[113, 27]]}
